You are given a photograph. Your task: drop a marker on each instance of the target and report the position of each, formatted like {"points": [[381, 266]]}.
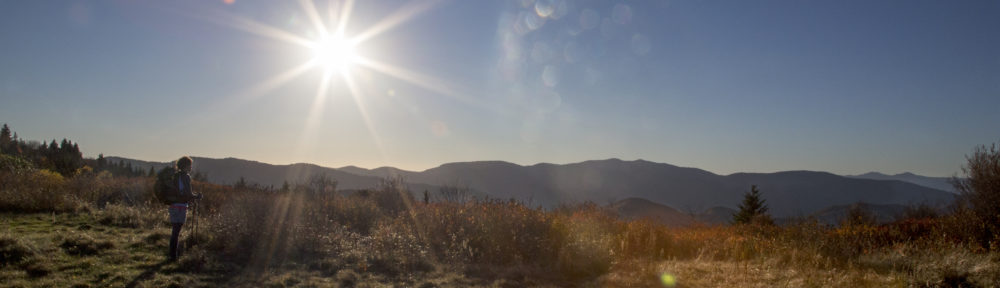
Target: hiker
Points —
{"points": [[178, 210]]}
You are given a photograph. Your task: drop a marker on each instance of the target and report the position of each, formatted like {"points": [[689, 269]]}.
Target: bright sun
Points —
{"points": [[334, 53], [338, 55]]}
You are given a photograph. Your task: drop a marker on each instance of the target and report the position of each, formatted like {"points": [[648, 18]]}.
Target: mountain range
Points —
{"points": [[940, 183], [788, 194]]}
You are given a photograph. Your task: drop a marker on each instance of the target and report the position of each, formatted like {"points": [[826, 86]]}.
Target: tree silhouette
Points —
{"points": [[102, 162], [753, 209], [6, 140], [980, 191]]}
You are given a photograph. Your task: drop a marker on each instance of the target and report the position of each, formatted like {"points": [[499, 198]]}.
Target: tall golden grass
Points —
{"points": [[385, 230]]}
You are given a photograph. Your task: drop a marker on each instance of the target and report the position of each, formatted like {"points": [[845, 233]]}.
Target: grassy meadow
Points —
{"points": [[97, 230]]}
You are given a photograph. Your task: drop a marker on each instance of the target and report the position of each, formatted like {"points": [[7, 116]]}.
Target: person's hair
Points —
{"points": [[184, 162]]}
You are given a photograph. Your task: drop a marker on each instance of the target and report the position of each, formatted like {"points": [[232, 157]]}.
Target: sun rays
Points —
{"points": [[338, 57]]}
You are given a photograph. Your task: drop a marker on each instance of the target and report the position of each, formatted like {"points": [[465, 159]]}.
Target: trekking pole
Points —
{"points": [[194, 216]]}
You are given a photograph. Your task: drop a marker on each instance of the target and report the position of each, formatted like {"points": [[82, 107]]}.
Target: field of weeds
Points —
{"points": [[94, 230]]}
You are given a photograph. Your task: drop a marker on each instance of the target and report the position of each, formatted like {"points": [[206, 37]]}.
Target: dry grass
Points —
{"points": [[111, 234]]}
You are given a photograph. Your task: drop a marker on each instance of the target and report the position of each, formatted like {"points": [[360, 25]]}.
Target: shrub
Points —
{"points": [[14, 165], [13, 250], [493, 232], [858, 214], [83, 245], [356, 213], [980, 193], [585, 249], [921, 211], [35, 191], [642, 239], [38, 268], [398, 249], [346, 278], [239, 225]]}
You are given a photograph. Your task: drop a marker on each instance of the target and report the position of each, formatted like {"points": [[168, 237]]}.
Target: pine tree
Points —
{"points": [[753, 209], [241, 184], [102, 162], [5, 139]]}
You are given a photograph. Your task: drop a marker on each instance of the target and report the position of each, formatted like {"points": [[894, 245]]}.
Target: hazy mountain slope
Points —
{"points": [[495, 178], [716, 215], [381, 172], [793, 193], [799, 193], [789, 194], [355, 170], [605, 180], [229, 170], [940, 183], [638, 208]]}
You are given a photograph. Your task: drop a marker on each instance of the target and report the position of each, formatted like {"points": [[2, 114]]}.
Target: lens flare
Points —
{"points": [[668, 280]]}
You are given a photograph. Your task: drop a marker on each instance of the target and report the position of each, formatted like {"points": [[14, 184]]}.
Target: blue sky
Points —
{"points": [[727, 86]]}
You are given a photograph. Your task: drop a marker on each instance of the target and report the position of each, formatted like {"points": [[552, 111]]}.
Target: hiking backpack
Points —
{"points": [[165, 190]]}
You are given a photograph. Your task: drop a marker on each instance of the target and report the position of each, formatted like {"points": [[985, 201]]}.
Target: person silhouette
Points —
{"points": [[178, 210]]}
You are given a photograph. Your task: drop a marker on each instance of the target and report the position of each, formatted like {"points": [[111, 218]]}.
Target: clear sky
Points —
{"points": [[727, 86]]}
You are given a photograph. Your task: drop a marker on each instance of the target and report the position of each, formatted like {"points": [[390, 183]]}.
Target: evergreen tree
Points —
{"points": [[102, 163], [6, 140], [753, 209], [241, 184]]}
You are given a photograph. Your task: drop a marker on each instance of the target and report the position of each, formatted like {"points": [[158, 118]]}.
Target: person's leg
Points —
{"points": [[173, 240]]}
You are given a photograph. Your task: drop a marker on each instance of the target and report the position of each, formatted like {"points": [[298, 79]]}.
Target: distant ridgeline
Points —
{"points": [[63, 157], [691, 190]]}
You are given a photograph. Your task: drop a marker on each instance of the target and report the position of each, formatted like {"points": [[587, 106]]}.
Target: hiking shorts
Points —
{"points": [[178, 213]]}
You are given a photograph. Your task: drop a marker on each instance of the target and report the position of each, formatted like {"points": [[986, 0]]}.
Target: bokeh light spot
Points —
{"points": [[533, 21], [668, 280], [439, 128], [561, 10], [622, 14], [641, 44], [545, 8]]}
